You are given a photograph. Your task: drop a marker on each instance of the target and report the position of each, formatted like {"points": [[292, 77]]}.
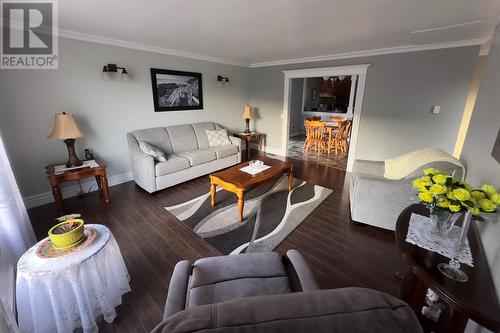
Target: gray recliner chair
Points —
{"points": [[378, 201], [263, 292]]}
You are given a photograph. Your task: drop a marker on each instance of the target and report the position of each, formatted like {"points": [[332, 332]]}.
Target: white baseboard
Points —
{"points": [[267, 149], [72, 191]]}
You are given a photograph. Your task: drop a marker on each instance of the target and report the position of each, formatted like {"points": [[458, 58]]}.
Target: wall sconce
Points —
{"points": [[222, 81], [108, 69]]}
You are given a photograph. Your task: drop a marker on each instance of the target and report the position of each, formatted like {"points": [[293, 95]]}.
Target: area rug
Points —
{"points": [[270, 214]]}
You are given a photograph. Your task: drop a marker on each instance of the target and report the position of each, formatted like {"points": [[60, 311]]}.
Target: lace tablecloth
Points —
{"points": [[63, 293], [419, 233]]}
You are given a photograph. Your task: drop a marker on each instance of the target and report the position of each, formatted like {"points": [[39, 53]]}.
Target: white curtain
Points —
{"points": [[16, 233], [16, 236]]}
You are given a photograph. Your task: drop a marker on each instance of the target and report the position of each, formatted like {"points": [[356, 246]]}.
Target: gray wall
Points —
{"points": [[400, 91], [476, 154], [296, 106], [105, 110]]}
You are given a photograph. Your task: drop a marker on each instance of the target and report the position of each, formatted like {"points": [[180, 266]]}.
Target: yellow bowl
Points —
{"points": [[68, 239]]}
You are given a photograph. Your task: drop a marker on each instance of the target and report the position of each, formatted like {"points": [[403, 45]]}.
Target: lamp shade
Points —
{"points": [[247, 112], [65, 127]]}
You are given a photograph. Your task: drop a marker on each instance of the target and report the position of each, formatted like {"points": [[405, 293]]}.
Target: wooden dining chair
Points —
{"points": [[339, 141], [315, 136], [345, 136]]}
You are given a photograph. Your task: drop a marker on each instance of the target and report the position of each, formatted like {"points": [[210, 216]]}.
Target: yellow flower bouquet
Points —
{"points": [[447, 197], [440, 191]]}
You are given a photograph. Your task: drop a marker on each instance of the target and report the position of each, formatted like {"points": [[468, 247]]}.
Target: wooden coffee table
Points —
{"points": [[236, 181]]}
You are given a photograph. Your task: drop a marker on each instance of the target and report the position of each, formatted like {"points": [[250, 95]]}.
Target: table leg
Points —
{"points": [[240, 204], [413, 291], [247, 145], [457, 322], [290, 179], [58, 198], [105, 190], [212, 193], [260, 144], [98, 181]]}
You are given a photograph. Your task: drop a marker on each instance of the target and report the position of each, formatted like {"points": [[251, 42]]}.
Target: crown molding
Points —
{"points": [[68, 34], [374, 52]]}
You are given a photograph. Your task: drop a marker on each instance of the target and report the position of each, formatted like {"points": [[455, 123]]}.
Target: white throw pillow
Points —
{"points": [[152, 151], [218, 137]]}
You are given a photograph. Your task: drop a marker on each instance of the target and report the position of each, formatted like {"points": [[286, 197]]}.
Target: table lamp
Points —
{"points": [[66, 129], [247, 115]]}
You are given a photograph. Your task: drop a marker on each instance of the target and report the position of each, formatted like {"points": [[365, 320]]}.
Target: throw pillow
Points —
{"points": [[152, 151], [218, 137]]}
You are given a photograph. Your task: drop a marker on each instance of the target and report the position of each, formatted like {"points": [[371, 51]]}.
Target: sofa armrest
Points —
{"points": [[237, 142], [300, 275], [379, 201], [372, 168], [382, 189], [143, 165], [177, 289]]}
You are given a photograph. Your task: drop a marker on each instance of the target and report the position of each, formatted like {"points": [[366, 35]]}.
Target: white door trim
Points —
{"points": [[359, 70]]}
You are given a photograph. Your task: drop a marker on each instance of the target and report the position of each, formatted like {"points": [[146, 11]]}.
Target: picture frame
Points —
{"points": [[176, 90]]}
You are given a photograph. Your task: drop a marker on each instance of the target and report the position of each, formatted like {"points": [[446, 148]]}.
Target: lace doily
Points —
{"points": [[419, 233]]}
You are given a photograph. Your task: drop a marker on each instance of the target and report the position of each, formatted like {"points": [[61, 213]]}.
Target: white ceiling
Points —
{"points": [[257, 31]]}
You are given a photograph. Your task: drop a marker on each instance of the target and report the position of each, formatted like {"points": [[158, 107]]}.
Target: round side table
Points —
{"points": [[71, 291]]}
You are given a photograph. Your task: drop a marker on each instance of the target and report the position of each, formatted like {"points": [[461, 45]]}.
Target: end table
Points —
{"points": [[475, 299], [70, 292], [55, 179], [248, 137]]}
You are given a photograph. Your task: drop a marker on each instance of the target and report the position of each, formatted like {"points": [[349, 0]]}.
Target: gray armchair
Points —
{"points": [[263, 292], [378, 201]]}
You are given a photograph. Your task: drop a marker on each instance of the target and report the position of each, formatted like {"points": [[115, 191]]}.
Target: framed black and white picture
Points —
{"points": [[176, 90]]}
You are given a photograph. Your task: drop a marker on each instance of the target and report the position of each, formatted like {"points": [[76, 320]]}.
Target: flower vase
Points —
{"points": [[452, 269], [442, 221]]}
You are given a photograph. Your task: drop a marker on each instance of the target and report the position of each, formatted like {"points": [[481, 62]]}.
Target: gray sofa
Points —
{"points": [[378, 201], [263, 292], [188, 154]]}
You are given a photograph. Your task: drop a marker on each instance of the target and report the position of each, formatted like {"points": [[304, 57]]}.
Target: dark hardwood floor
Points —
{"points": [[341, 253]]}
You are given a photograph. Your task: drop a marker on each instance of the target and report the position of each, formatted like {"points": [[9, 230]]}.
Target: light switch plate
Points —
{"points": [[436, 109]]}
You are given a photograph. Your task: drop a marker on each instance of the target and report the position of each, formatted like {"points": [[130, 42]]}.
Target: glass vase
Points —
{"points": [[452, 269], [442, 221]]}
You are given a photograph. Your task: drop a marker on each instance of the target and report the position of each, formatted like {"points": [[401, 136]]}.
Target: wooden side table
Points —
{"points": [[475, 299], [249, 137], [77, 174]]}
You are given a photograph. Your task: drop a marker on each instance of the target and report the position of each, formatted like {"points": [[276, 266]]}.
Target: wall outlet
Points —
{"points": [[436, 109]]}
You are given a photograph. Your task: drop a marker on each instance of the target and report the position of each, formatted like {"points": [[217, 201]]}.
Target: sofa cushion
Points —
{"points": [[220, 279], [198, 156], [249, 265], [224, 151], [182, 138], [201, 134], [156, 136], [239, 288], [173, 164]]}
